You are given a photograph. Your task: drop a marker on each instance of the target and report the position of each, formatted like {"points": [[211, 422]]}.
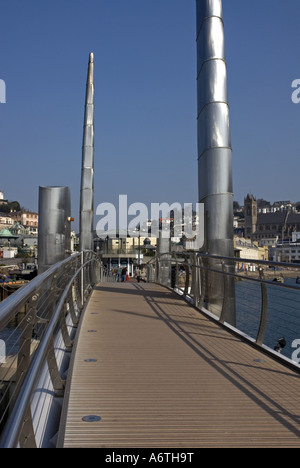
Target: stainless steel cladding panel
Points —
{"points": [[164, 249], [214, 142], [209, 8], [54, 236], [87, 173], [214, 149]]}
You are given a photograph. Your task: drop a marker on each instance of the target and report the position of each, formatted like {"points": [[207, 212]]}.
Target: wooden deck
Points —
{"points": [[160, 375]]}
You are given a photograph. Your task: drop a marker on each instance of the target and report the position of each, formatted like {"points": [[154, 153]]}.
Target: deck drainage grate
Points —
{"points": [[91, 418]]}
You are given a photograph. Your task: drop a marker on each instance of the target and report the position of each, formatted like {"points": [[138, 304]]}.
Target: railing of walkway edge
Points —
{"points": [[37, 326], [266, 296]]}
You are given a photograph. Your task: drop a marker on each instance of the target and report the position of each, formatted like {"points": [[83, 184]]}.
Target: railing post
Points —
{"points": [[82, 280], [157, 269], [71, 305], [25, 343], [202, 274], [195, 281], [264, 310], [225, 293], [57, 382], [187, 277], [64, 330], [174, 275], [27, 437]]}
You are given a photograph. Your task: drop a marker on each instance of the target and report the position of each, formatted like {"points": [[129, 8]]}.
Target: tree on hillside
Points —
{"points": [[10, 206]]}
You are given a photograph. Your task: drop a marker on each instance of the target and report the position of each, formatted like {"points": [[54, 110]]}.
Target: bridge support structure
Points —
{"points": [[214, 147], [163, 266], [87, 173], [54, 240]]}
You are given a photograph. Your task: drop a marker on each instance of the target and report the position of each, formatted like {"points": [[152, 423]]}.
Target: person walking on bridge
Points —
{"points": [[119, 273], [138, 275], [124, 274]]}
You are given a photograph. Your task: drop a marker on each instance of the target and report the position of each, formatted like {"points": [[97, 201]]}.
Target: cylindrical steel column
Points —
{"points": [[164, 250], [87, 174], [54, 238], [214, 142]]}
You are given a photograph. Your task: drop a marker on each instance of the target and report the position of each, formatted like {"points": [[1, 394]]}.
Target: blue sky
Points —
{"points": [[145, 97]]}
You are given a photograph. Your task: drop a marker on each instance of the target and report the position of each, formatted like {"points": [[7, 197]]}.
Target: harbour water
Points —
{"points": [[283, 313]]}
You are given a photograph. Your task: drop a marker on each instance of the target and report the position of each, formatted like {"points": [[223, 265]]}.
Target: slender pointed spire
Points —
{"points": [[87, 174]]}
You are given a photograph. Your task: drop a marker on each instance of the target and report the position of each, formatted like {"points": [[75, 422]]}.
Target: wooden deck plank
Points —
{"points": [[166, 376]]}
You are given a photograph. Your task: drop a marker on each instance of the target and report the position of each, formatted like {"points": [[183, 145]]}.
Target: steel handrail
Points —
{"points": [[21, 296], [232, 259], [11, 434], [85, 274], [194, 289], [262, 263]]}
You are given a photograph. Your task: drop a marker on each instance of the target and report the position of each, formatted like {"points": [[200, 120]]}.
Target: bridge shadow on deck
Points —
{"points": [[204, 326], [233, 394], [157, 300]]}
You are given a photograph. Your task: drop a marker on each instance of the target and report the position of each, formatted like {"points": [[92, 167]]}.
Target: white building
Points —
{"points": [[8, 252], [246, 249], [6, 222], [287, 252]]}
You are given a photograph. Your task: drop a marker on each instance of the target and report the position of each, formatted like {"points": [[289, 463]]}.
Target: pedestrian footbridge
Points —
{"points": [[96, 363]]}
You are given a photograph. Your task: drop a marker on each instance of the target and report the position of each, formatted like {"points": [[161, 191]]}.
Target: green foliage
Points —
{"points": [[10, 206]]}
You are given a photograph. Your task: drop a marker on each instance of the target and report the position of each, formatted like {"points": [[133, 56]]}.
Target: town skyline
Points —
{"points": [[239, 202]]}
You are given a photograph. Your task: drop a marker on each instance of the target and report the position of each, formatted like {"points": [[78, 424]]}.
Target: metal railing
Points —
{"points": [[259, 300], [37, 329], [131, 251]]}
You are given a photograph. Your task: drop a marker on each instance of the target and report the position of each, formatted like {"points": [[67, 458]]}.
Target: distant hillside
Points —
{"points": [[10, 206]]}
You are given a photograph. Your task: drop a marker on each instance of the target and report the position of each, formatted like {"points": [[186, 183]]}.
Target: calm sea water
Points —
{"points": [[283, 312]]}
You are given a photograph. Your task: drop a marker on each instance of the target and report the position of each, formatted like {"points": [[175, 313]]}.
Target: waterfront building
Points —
{"points": [[268, 226], [288, 252], [129, 252], [28, 219], [246, 249], [6, 221]]}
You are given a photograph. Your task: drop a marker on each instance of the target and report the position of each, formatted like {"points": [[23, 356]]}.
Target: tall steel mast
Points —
{"points": [[87, 175], [214, 141]]}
